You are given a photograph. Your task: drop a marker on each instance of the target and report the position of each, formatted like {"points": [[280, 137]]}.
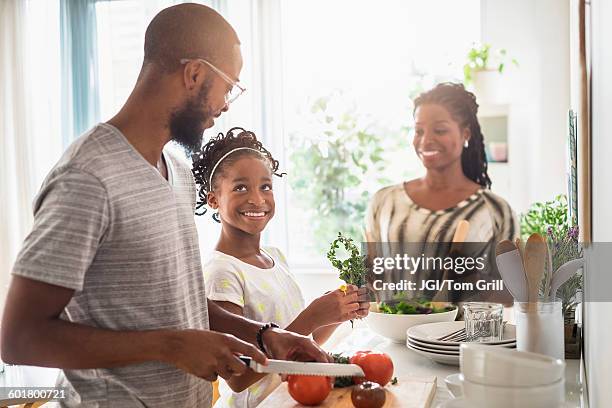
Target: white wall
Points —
{"points": [[535, 33], [598, 330]]}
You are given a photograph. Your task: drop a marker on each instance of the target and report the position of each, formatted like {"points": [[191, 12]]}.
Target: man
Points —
{"points": [[108, 285]]}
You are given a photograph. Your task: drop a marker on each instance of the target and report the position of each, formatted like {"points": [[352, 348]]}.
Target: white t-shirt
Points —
{"points": [[265, 295]]}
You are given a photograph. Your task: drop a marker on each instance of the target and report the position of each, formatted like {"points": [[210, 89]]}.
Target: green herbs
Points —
{"points": [[352, 270], [542, 216], [419, 307], [552, 220], [342, 382]]}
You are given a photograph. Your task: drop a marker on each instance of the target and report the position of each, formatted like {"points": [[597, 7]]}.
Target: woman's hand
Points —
{"points": [[336, 306]]}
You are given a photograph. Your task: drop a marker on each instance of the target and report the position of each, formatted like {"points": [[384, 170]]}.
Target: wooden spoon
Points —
{"points": [[535, 263], [521, 248], [461, 232], [463, 227]]}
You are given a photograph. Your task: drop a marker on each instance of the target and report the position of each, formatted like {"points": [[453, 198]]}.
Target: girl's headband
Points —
{"points": [[212, 172]]}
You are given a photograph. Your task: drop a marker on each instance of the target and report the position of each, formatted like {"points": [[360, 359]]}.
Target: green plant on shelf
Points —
{"points": [[483, 58]]}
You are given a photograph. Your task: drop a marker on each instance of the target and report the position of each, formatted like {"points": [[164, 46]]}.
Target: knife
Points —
{"points": [[301, 368]]}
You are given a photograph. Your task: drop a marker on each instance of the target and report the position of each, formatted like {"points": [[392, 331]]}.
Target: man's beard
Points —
{"points": [[187, 123]]}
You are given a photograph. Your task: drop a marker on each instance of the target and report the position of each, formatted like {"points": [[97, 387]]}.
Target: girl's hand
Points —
{"points": [[336, 306], [364, 302]]}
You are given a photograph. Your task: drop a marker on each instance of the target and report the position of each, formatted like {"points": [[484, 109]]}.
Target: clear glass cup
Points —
{"points": [[483, 321]]}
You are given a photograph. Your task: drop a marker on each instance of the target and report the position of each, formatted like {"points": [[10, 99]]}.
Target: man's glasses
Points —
{"points": [[237, 88]]}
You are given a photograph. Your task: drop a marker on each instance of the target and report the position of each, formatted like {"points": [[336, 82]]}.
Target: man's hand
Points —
{"points": [[207, 354], [283, 345], [34, 307]]}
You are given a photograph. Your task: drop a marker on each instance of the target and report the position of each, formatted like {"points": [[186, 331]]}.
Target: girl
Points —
{"points": [[234, 176]]}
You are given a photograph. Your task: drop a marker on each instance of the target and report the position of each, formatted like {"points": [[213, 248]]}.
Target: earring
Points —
{"points": [[465, 144]]}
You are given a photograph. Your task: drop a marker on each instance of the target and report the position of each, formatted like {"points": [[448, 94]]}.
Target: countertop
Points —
{"points": [[345, 340]]}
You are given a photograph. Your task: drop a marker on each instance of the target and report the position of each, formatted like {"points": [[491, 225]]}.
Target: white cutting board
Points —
{"points": [[409, 392]]}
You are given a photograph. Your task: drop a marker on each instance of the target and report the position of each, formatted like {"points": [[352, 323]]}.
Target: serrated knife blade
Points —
{"points": [[301, 368]]}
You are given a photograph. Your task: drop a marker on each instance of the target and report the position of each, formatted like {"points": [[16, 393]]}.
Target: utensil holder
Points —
{"points": [[539, 328]]}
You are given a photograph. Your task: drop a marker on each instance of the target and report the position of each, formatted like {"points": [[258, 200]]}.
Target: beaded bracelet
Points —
{"points": [[260, 333]]}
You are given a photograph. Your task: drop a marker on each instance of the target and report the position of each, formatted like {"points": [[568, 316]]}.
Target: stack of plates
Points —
{"points": [[423, 339]]}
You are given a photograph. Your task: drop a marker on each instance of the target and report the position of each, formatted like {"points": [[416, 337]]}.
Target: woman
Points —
{"points": [[426, 211]]}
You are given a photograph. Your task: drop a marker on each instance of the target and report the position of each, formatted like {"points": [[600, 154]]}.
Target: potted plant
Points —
{"points": [[551, 219], [483, 70]]}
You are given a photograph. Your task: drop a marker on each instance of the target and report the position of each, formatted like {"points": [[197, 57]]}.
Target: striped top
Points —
{"points": [[109, 226], [393, 217]]}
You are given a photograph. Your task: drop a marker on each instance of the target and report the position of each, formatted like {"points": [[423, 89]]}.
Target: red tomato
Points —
{"points": [[377, 367], [309, 389], [358, 355]]}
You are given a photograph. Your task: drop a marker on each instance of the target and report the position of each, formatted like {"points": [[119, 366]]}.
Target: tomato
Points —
{"points": [[309, 389], [377, 367], [357, 356], [368, 395]]}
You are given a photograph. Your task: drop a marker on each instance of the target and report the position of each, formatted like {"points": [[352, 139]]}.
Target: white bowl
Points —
{"points": [[394, 326], [454, 383], [541, 396], [506, 367]]}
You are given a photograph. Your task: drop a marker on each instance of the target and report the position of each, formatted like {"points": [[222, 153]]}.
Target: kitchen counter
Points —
{"points": [[345, 340], [407, 362]]}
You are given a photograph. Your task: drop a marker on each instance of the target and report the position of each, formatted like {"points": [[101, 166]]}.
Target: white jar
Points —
{"points": [[539, 328]]}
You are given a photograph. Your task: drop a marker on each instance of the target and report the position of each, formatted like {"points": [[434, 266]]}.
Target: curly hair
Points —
{"points": [[205, 159], [463, 107]]}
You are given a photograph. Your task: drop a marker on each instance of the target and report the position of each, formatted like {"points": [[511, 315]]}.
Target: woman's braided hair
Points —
{"points": [[462, 106], [205, 159]]}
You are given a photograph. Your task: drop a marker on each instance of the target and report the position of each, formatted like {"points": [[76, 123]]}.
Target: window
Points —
{"points": [[329, 92], [121, 26], [351, 68]]}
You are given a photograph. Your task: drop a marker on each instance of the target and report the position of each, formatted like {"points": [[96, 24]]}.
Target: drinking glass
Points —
{"points": [[483, 321]]}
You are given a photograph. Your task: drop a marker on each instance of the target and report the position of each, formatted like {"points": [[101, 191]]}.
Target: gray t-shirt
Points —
{"points": [[109, 226]]}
